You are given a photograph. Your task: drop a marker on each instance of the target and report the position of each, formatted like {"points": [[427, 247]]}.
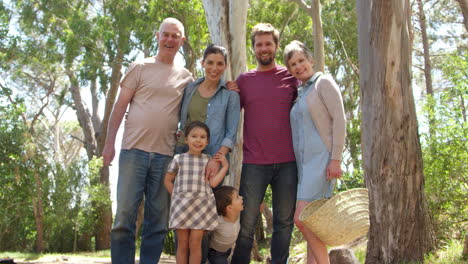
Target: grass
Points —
{"points": [[449, 253], [34, 256]]}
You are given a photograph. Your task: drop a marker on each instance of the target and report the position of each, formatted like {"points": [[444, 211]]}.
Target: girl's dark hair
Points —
{"points": [[223, 196], [195, 124], [214, 49]]}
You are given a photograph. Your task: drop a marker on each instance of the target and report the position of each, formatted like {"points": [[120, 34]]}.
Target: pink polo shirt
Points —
{"points": [[267, 98]]}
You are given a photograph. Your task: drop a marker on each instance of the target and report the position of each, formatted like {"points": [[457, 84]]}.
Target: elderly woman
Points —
{"points": [[208, 100], [318, 129]]}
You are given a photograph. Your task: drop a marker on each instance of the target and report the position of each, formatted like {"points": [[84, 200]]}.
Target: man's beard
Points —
{"points": [[265, 62]]}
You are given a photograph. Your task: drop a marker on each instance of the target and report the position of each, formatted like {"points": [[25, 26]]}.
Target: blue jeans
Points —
{"points": [[140, 173], [254, 181], [216, 257]]}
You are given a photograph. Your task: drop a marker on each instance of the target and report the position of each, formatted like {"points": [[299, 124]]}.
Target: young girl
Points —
{"points": [[193, 205]]}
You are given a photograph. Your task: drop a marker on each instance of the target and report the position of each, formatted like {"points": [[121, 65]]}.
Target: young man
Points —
{"points": [[267, 94], [229, 205], [153, 88]]}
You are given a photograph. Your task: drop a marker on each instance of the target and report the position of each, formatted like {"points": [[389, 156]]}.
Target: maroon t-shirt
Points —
{"points": [[267, 98]]}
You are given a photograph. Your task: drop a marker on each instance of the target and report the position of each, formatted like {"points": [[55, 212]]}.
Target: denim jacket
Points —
{"points": [[222, 115]]}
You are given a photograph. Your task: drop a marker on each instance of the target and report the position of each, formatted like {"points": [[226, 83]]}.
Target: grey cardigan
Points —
{"points": [[325, 105]]}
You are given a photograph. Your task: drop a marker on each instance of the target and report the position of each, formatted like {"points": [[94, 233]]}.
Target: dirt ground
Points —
{"points": [[81, 260]]}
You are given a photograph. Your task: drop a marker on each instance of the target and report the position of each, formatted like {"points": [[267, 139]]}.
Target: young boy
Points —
{"points": [[229, 205]]}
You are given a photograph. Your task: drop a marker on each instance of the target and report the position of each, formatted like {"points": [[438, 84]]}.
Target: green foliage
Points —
{"points": [[445, 152], [287, 17], [15, 201]]}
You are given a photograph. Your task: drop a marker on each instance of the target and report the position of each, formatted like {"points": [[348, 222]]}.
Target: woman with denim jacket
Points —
{"points": [[208, 100]]}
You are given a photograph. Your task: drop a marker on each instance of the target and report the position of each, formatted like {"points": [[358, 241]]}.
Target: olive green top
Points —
{"points": [[196, 111]]}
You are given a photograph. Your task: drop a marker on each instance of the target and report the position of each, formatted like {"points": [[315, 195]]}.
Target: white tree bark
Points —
{"points": [[314, 11], [227, 25]]}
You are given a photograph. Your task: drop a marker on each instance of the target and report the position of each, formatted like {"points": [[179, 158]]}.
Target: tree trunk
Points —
{"points": [[95, 105], [140, 217], [259, 230], [319, 49], [427, 61], [464, 9], [255, 252], [84, 118], [226, 21], [392, 160], [38, 213], [465, 247], [189, 57], [104, 215], [268, 214], [425, 41], [105, 212], [314, 11]]}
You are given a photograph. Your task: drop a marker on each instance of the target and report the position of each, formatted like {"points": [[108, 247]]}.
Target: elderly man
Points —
{"points": [[153, 87]]}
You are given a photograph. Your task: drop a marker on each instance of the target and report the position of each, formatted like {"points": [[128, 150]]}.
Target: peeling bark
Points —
{"points": [[226, 21], [400, 228]]}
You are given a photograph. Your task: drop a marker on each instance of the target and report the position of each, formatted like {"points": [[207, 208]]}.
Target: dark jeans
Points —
{"points": [[254, 181], [216, 257]]}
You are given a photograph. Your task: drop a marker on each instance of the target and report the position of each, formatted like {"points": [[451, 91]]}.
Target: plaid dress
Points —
{"points": [[193, 204]]}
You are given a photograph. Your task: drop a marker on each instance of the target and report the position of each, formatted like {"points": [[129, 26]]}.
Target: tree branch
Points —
{"points": [[303, 5], [354, 67]]}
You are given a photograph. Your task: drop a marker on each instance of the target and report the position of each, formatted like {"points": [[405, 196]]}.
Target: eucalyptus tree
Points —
{"points": [[227, 25], [400, 229], [464, 8], [313, 8]]}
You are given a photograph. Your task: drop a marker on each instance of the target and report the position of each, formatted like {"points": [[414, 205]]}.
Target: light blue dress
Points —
{"points": [[312, 155]]}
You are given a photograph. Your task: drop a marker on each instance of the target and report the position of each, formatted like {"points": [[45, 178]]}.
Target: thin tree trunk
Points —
{"points": [[314, 11], [104, 217], [268, 214], [425, 40], [105, 212], [464, 8], [95, 106], [38, 213], [189, 56], [392, 160], [84, 118], [427, 60], [462, 106], [319, 49], [255, 252], [259, 230], [465, 247], [140, 217]]}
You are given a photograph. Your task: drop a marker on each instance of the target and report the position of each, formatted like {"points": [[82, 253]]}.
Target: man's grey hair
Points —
{"points": [[295, 46], [173, 21]]}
